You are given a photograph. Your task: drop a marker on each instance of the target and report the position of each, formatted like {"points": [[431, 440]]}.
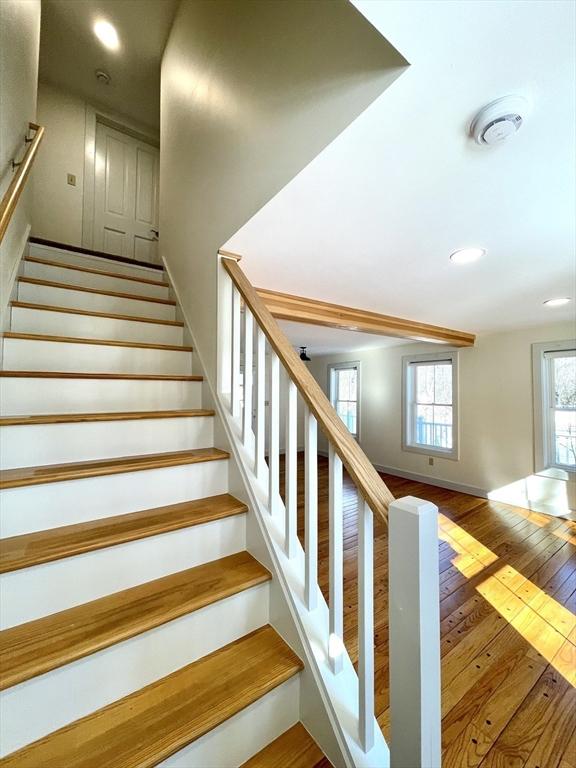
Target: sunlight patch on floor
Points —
{"points": [[472, 556], [542, 621], [548, 626]]}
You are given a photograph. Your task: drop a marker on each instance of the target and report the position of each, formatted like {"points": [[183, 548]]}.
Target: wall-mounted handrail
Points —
{"points": [[22, 170], [367, 480]]}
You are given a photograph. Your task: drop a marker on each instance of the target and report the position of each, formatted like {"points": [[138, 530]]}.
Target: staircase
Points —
{"points": [[135, 624]]}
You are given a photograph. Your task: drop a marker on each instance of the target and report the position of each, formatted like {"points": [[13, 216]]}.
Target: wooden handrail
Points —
{"points": [[12, 195], [367, 480]]}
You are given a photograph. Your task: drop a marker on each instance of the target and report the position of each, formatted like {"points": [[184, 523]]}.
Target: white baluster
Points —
{"points": [[224, 335], [414, 627], [260, 403], [274, 431], [366, 623], [310, 509], [291, 471], [247, 414], [335, 641], [236, 318]]}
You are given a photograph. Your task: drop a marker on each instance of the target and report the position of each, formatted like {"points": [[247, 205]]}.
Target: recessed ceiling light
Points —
{"points": [[467, 255], [557, 302], [107, 34]]}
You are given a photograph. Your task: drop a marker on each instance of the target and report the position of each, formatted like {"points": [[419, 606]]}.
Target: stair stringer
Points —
{"points": [[328, 703]]}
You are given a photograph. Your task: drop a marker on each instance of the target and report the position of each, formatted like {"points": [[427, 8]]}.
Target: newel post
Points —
{"points": [[414, 626]]}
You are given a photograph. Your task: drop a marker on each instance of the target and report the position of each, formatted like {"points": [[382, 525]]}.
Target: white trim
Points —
{"points": [[450, 355], [542, 464], [331, 367]]}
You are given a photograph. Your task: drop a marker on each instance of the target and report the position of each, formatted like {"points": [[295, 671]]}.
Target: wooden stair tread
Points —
{"points": [[97, 342], [89, 375], [295, 748], [112, 316], [39, 646], [76, 268], [91, 252], [148, 726], [72, 418], [30, 549], [54, 473], [83, 289]]}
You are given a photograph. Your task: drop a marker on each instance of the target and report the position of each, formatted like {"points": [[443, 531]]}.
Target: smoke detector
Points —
{"points": [[499, 120], [102, 77]]}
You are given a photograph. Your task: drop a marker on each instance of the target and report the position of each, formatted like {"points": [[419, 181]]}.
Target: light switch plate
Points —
{"points": [[71, 179]]}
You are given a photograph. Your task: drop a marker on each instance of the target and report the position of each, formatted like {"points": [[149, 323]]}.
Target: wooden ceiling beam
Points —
{"points": [[298, 309]]}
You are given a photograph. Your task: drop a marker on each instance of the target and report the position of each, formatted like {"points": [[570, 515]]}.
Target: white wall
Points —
{"points": [[250, 93], [496, 414], [58, 206], [19, 46]]}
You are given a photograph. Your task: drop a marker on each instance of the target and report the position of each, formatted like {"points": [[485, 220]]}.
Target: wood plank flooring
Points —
{"points": [[507, 605]]}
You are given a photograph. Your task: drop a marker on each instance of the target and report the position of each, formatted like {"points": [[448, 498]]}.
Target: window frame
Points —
{"points": [[346, 366], [544, 463], [408, 401]]}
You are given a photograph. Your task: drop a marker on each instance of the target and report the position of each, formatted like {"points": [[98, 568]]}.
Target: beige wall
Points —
{"points": [[58, 206], [19, 46], [250, 93], [496, 412]]}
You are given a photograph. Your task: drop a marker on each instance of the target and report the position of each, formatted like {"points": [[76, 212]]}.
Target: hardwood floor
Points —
{"points": [[507, 604]]}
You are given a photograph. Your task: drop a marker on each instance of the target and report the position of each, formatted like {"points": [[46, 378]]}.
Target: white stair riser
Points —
{"points": [[245, 734], [87, 327], [31, 593], [39, 507], [37, 444], [41, 705], [93, 302], [94, 262], [93, 280], [29, 355], [20, 396]]}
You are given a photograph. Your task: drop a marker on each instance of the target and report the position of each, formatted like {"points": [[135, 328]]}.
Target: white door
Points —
{"points": [[125, 195]]}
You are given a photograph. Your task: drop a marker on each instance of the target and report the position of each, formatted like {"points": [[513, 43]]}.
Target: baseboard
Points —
{"points": [[437, 481], [470, 490]]}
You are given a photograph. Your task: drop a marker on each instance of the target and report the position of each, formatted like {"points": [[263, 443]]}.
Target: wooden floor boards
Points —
{"points": [[507, 605]]}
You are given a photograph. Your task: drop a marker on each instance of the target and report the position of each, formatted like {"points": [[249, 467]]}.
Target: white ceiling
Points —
{"points": [[331, 341], [372, 220], [70, 52]]}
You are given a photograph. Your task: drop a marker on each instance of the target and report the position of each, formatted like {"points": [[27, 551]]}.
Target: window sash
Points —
{"points": [[334, 389], [545, 409], [551, 433], [438, 436]]}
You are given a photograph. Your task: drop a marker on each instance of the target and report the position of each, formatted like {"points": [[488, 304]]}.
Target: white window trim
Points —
{"points": [[542, 463], [407, 440], [339, 366]]}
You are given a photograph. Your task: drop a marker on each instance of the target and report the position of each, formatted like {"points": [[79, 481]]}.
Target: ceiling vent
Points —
{"points": [[499, 120]]}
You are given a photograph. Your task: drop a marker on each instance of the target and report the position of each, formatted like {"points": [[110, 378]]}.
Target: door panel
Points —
{"points": [[144, 249], [115, 180], [145, 187], [125, 195], [113, 242]]}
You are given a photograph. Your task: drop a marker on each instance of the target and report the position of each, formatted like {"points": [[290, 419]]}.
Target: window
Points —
{"points": [[430, 409], [555, 405], [344, 387]]}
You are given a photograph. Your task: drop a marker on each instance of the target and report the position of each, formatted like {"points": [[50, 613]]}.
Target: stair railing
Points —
{"points": [[252, 351]]}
